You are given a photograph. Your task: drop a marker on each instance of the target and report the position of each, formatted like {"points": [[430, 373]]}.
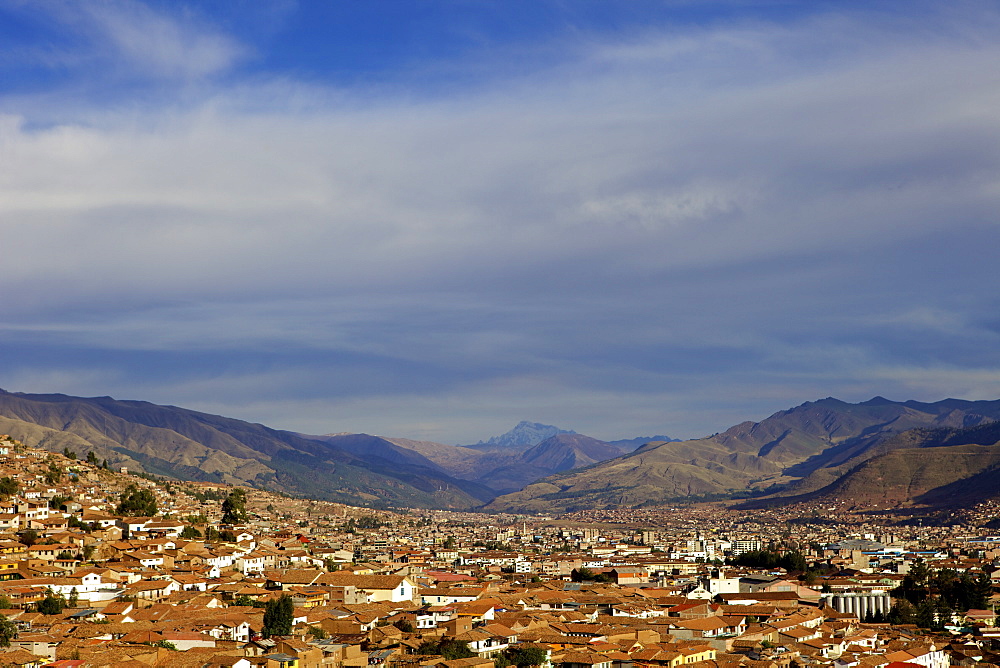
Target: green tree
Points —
{"points": [[278, 615], [92, 458], [137, 502], [317, 633], [69, 453], [903, 612], [526, 655], [404, 625], [51, 604], [924, 617], [234, 508], [9, 486], [8, 631], [58, 501], [5, 603], [243, 600], [29, 537], [449, 543], [449, 648], [74, 598], [190, 533]]}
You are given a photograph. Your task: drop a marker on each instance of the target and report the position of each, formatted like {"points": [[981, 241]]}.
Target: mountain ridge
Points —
{"points": [[194, 445], [788, 446]]}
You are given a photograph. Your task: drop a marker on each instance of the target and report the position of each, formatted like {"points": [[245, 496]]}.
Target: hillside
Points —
{"points": [[788, 446], [498, 469], [171, 441], [555, 454], [937, 468]]}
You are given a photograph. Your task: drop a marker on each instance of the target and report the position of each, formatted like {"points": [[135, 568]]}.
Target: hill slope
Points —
{"points": [[507, 470], [938, 468], [172, 441], [555, 454], [787, 446]]}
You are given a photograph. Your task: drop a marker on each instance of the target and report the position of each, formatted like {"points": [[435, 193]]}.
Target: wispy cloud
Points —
{"points": [[696, 226], [102, 43]]}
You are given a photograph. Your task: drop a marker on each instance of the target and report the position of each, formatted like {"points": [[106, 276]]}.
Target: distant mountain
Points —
{"points": [[507, 470], [566, 451], [521, 437], [789, 446], [555, 454], [171, 441]]}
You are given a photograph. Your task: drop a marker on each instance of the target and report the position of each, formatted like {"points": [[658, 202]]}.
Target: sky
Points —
{"points": [[435, 219]]}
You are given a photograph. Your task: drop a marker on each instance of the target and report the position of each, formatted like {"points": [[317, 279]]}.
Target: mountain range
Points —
{"points": [[351, 468], [176, 442], [878, 453], [792, 453]]}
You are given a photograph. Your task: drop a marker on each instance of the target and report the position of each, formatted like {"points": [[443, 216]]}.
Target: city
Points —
{"points": [[85, 580]]}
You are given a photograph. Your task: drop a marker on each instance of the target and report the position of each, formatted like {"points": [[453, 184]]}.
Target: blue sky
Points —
{"points": [[435, 219]]}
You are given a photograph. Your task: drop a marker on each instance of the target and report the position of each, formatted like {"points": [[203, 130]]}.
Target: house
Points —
{"points": [[392, 588]]}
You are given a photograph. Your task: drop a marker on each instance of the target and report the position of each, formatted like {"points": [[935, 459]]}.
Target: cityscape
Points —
{"points": [[499, 333]]}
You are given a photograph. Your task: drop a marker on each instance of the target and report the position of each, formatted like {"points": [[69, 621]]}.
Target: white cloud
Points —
{"points": [[762, 196]]}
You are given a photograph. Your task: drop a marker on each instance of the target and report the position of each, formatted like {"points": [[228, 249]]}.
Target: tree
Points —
{"points": [[526, 655], [74, 598], [9, 486], [92, 458], [234, 508], [449, 543], [925, 617], [69, 454], [449, 648], [29, 537], [404, 625], [51, 604], [278, 616], [189, 533], [8, 631], [58, 501], [903, 612], [137, 502]]}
